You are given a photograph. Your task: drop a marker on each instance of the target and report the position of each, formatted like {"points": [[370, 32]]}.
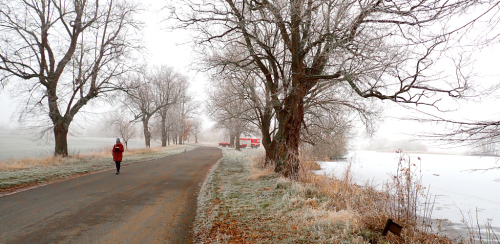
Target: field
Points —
{"points": [[25, 146]]}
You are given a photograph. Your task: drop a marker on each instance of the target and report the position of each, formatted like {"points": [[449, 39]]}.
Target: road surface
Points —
{"points": [[151, 202]]}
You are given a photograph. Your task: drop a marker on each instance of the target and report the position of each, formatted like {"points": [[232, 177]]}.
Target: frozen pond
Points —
{"points": [[22, 146], [457, 190]]}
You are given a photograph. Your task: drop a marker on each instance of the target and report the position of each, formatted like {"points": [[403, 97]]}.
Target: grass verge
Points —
{"points": [[27, 172], [244, 202]]}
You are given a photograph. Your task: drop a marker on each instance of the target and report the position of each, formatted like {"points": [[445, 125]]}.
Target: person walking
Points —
{"points": [[118, 154]]}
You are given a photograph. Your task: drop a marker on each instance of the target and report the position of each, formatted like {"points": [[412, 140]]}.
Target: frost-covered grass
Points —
{"points": [[28, 171], [242, 202]]}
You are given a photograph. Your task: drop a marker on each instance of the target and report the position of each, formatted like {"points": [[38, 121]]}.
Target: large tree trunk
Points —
{"points": [[147, 134], [292, 113], [61, 124], [237, 146], [164, 136], [287, 148], [267, 142], [231, 140], [61, 139]]}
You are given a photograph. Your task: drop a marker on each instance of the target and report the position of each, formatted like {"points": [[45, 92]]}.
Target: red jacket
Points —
{"points": [[118, 152]]}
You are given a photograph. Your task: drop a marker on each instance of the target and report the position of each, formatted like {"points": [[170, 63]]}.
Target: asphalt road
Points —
{"points": [[151, 202]]}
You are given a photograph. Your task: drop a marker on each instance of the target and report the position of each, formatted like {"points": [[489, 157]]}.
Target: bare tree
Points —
{"points": [[237, 81], [326, 133], [229, 108], [140, 102], [126, 130], [160, 93], [64, 54], [171, 124], [174, 123], [123, 127], [186, 109], [380, 49], [196, 122], [325, 108], [154, 90], [171, 85]]}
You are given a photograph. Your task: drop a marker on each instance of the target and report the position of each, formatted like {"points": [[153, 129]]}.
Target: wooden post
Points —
{"points": [[392, 227]]}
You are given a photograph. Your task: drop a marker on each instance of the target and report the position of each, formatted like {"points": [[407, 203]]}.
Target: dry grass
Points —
{"points": [[30, 162], [24, 163], [398, 201], [258, 168], [310, 165]]}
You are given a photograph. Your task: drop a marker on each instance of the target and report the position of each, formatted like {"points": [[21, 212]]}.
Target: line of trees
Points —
{"points": [[158, 99], [304, 59], [153, 92]]}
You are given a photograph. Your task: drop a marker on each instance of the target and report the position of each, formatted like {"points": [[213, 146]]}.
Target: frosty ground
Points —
{"points": [[240, 203]]}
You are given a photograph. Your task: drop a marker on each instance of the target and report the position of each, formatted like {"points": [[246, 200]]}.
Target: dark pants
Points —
{"points": [[118, 165]]}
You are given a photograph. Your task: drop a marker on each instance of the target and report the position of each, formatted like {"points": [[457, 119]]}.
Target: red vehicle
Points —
{"points": [[244, 143], [250, 142], [224, 144]]}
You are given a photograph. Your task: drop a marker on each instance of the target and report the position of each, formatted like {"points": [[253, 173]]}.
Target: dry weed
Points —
{"points": [[399, 201], [25, 163], [478, 233], [259, 167], [310, 165]]}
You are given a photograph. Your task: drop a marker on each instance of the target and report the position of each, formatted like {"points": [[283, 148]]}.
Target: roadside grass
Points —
{"points": [[244, 202], [26, 172], [241, 202]]}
